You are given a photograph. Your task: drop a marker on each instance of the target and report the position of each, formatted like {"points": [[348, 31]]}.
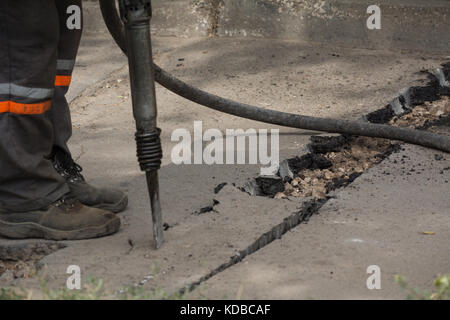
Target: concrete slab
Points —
{"points": [[405, 25], [378, 220], [411, 25]]}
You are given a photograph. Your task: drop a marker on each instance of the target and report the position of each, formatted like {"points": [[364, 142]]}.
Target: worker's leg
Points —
{"points": [[70, 26], [28, 49], [70, 21], [35, 201]]}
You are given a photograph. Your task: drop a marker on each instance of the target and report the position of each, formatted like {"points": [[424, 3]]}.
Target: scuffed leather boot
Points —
{"points": [[104, 198], [66, 219]]}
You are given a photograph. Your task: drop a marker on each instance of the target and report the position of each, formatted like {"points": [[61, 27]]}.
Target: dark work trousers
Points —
{"points": [[38, 45]]}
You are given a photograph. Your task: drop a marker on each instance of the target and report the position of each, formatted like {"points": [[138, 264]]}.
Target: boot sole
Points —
{"points": [[25, 230], [115, 207]]}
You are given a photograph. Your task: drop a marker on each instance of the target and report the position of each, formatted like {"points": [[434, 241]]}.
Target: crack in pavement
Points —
{"points": [[432, 91], [302, 216]]}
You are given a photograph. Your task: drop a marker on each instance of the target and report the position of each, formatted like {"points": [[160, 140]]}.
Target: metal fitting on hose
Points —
{"points": [[149, 150]]}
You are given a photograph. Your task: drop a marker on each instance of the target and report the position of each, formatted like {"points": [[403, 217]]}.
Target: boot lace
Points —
{"points": [[66, 166]]}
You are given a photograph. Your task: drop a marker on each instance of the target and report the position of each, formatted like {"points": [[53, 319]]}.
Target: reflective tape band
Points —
{"points": [[63, 81], [25, 108], [25, 92], [63, 64]]}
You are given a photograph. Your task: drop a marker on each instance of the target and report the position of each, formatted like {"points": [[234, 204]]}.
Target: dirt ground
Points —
{"points": [[380, 218]]}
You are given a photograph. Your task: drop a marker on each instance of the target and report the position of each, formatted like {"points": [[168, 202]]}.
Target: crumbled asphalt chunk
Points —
{"points": [[252, 188], [420, 95], [270, 185], [207, 208], [219, 187], [309, 161], [325, 144], [381, 116]]}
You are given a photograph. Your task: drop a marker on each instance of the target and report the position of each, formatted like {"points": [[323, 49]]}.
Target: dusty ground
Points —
{"points": [[386, 214]]}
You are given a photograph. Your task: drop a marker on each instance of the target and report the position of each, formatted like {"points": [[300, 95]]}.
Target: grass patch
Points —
{"points": [[93, 289], [441, 289]]}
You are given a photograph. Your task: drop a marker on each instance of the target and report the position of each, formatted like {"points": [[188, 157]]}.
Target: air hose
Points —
{"points": [[361, 128]]}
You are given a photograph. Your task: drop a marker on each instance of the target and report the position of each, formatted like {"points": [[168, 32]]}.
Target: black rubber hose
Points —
{"points": [[361, 128]]}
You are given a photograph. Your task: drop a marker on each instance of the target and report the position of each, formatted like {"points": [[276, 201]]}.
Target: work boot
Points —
{"points": [[103, 198], [66, 219]]}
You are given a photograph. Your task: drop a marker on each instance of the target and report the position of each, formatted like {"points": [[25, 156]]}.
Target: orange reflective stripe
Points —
{"points": [[63, 81], [25, 108], [4, 106]]}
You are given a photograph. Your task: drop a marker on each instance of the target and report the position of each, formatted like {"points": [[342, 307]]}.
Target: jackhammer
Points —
{"points": [[131, 31], [136, 15]]}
